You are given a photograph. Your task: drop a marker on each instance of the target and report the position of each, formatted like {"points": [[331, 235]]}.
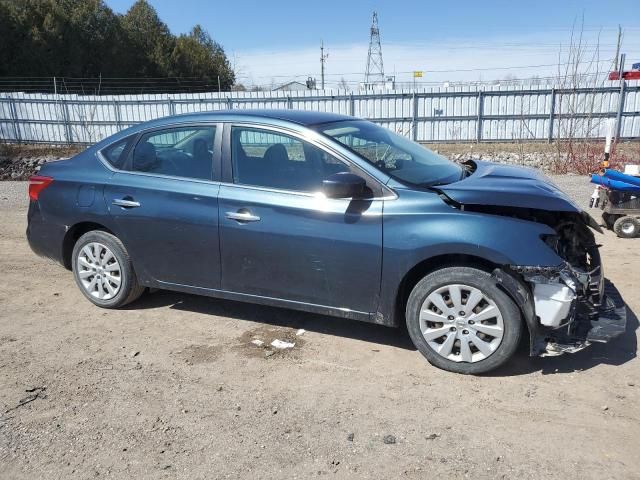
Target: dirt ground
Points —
{"points": [[172, 387]]}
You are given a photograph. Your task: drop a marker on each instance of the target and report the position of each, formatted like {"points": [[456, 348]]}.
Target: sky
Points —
{"points": [[272, 42]]}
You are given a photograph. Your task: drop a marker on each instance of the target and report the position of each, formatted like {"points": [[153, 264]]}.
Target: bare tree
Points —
{"points": [[82, 129], [521, 131], [577, 78]]}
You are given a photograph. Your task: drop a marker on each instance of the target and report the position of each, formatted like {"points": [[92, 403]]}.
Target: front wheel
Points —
{"points": [[103, 271], [462, 322]]}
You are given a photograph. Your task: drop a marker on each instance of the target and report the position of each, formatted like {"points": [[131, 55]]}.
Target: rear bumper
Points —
{"points": [[45, 238]]}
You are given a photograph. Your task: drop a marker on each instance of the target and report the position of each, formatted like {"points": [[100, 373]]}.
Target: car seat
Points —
{"points": [[145, 158], [201, 161]]}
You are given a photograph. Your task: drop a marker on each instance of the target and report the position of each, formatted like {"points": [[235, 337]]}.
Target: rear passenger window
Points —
{"points": [[268, 159], [115, 154], [178, 152]]}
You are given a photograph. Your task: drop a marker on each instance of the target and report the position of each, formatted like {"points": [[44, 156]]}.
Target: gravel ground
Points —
{"points": [[13, 195], [171, 387], [579, 188]]}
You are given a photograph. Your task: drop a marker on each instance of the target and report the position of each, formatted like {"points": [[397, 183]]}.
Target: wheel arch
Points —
{"points": [[431, 264], [504, 281], [73, 234]]}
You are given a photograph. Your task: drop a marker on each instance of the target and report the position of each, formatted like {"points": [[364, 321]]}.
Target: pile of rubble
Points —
{"points": [[21, 168], [539, 160], [19, 164]]}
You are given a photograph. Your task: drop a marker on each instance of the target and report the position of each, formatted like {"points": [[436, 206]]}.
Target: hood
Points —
{"points": [[494, 184], [509, 186]]}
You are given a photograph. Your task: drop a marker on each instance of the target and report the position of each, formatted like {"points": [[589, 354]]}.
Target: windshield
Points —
{"points": [[394, 154]]}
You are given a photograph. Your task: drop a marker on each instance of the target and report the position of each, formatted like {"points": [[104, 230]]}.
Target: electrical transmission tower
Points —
{"points": [[375, 68]]}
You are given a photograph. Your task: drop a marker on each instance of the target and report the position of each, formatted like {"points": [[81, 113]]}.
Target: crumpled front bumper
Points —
{"points": [[606, 323], [611, 321], [597, 312]]}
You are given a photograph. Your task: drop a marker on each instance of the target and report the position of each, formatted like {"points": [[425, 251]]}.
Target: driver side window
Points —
{"points": [[266, 158], [179, 152]]}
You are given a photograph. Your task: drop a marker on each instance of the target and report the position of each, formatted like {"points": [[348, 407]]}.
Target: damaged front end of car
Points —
{"points": [[573, 303], [566, 306], [570, 305]]}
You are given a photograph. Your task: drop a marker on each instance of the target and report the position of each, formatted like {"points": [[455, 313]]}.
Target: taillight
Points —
{"points": [[37, 184]]}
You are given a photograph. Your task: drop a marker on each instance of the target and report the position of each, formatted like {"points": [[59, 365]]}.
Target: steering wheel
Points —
{"points": [[172, 170]]}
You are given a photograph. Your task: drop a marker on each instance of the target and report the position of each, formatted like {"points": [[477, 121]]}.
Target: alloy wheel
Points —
{"points": [[461, 323], [99, 271]]}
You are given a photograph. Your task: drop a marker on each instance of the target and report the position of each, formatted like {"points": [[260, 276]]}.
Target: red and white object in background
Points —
{"points": [[633, 74]]}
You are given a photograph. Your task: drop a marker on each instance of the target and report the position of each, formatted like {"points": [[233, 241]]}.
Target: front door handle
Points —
{"points": [[242, 216], [124, 203]]}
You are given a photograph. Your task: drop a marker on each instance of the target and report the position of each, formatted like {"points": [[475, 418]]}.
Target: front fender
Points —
{"points": [[438, 230]]}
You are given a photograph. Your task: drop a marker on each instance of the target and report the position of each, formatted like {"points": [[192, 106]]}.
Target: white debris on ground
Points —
{"points": [[280, 344], [257, 342], [300, 332]]}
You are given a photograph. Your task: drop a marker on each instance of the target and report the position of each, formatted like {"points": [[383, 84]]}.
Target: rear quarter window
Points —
{"points": [[116, 153]]}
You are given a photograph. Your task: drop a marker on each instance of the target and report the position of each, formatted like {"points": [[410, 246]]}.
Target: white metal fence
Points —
{"points": [[444, 114]]}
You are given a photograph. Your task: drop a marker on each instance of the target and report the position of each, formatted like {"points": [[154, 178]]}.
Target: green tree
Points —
{"points": [[197, 55], [149, 40], [13, 38], [85, 38], [63, 37]]}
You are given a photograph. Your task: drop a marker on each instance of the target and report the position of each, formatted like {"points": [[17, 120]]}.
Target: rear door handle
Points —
{"points": [[242, 216], [124, 203]]}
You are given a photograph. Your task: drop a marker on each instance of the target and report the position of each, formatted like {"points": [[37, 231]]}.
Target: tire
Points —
{"points": [[103, 271], [495, 313], [627, 227]]}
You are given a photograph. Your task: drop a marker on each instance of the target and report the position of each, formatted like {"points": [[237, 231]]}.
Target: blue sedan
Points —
{"points": [[330, 214]]}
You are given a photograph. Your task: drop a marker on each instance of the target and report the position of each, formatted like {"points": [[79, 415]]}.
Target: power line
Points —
{"points": [[454, 70], [106, 85]]}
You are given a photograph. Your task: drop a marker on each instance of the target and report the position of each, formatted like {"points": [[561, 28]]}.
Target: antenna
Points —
{"points": [[375, 68]]}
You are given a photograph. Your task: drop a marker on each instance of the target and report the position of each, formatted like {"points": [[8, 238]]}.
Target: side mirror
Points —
{"points": [[344, 185]]}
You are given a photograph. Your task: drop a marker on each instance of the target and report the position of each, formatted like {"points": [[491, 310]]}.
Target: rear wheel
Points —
{"points": [[103, 271], [627, 227], [462, 322]]}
